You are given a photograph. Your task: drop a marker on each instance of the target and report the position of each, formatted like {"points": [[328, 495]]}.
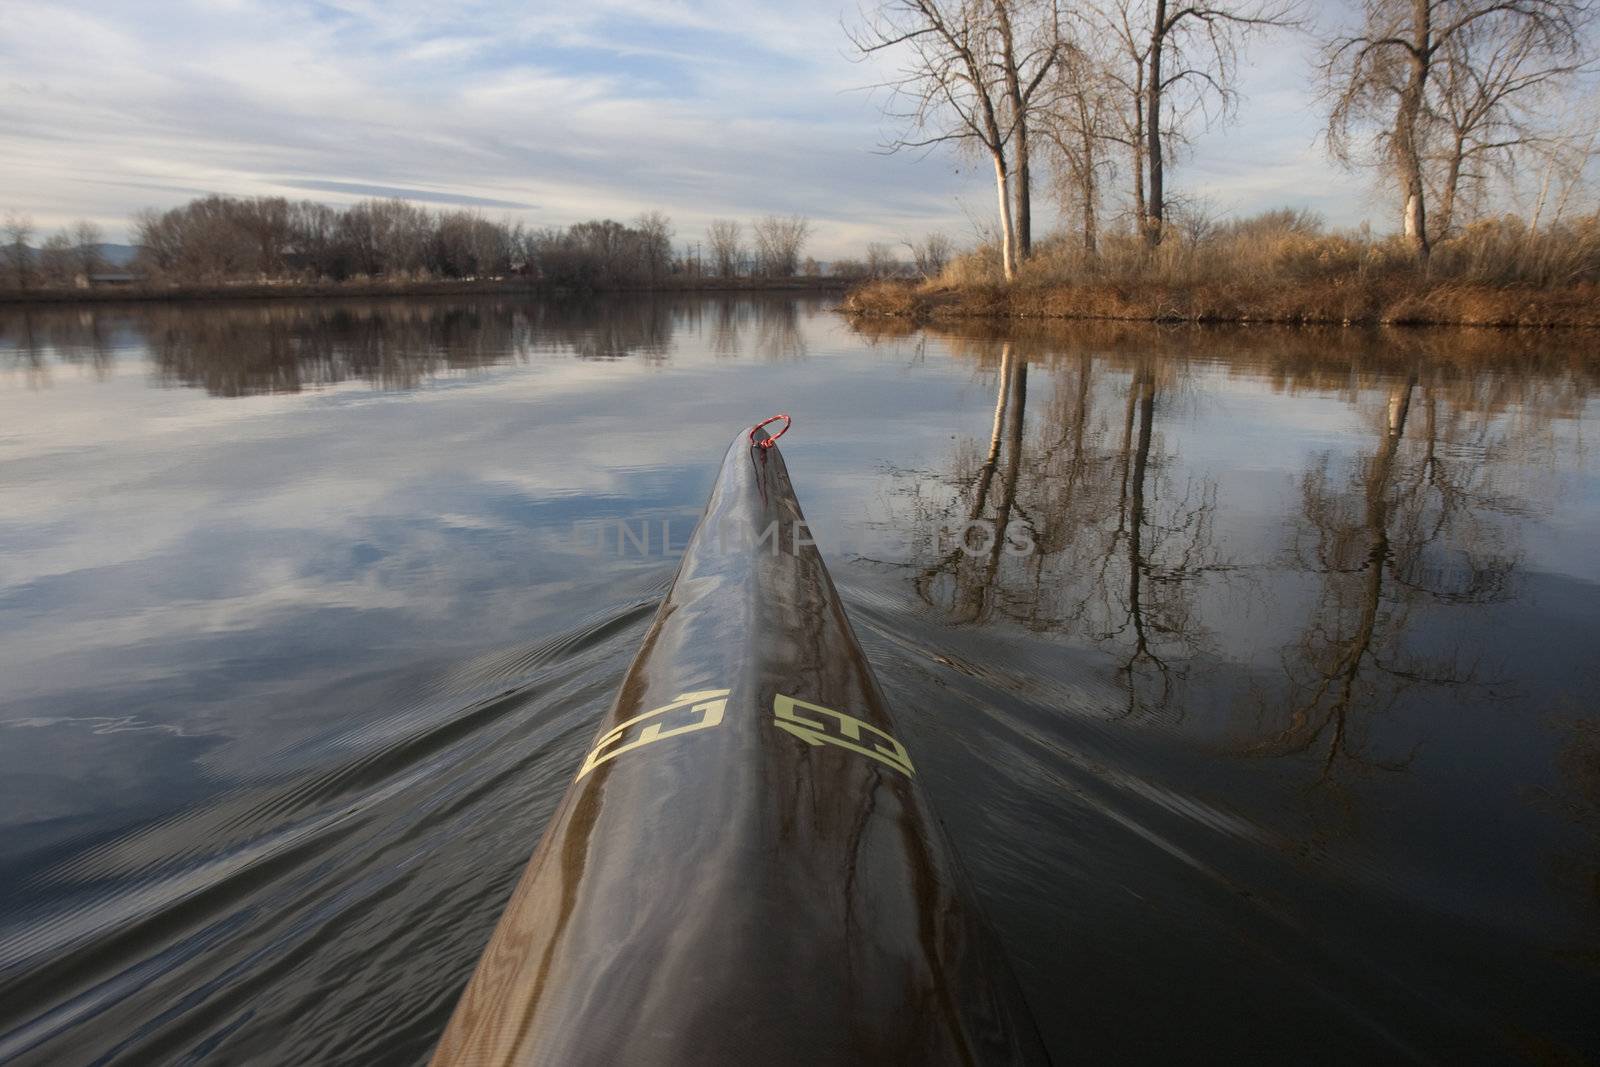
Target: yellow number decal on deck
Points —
{"points": [[885, 749], [706, 708]]}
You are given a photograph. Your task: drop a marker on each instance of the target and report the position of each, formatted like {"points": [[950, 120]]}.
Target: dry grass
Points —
{"points": [[1278, 267]]}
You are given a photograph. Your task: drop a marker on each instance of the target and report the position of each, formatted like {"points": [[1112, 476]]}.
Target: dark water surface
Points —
{"points": [[1282, 741]]}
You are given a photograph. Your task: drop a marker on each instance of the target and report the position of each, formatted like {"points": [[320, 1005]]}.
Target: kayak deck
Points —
{"points": [[744, 866]]}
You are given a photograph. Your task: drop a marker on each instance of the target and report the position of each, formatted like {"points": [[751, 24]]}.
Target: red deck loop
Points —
{"points": [[771, 439]]}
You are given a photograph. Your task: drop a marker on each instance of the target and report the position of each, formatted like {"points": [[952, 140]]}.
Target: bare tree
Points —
{"points": [[1126, 57], [1563, 160], [379, 236], [200, 241], [881, 261], [85, 239], [1389, 76], [393, 237], [1161, 64], [56, 265], [1201, 44], [157, 239], [655, 236], [973, 74], [779, 243], [313, 235], [1083, 129], [930, 254], [1030, 49], [598, 254], [1490, 88], [725, 241], [265, 221], [18, 231]]}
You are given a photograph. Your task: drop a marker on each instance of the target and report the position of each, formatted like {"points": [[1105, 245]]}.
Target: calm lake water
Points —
{"points": [[1282, 742]]}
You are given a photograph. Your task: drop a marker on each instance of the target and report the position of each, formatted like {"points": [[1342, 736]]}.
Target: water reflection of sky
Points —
{"points": [[237, 542]]}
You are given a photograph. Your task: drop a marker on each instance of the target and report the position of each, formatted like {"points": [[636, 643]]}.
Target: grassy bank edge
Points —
{"points": [[1416, 304], [357, 290]]}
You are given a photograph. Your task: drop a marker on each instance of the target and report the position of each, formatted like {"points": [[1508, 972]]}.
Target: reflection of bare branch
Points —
{"points": [[1424, 521], [26, 350], [1406, 531], [33, 339], [972, 587], [765, 328], [1115, 553]]}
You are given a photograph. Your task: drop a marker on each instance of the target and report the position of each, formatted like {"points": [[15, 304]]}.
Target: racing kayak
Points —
{"points": [[744, 867]]}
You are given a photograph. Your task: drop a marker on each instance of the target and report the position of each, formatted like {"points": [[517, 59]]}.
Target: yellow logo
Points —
{"points": [[885, 749], [705, 709]]}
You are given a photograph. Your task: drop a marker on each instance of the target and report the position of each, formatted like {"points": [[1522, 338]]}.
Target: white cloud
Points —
{"points": [[618, 106]]}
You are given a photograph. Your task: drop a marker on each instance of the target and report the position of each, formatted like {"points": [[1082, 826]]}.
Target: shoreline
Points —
{"points": [[361, 290], [1408, 305]]}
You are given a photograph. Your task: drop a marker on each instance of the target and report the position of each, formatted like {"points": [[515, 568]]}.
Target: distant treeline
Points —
{"points": [[219, 240]]}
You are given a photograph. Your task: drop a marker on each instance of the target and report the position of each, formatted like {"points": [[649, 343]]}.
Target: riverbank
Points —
{"points": [[1340, 304], [349, 289]]}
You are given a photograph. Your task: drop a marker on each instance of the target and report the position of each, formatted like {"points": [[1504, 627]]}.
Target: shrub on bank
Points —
{"points": [[1281, 266]]}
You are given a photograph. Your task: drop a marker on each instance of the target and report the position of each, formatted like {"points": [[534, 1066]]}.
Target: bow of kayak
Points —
{"points": [[744, 867]]}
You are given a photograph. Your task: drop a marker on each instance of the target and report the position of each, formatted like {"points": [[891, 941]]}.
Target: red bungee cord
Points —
{"points": [[770, 439]]}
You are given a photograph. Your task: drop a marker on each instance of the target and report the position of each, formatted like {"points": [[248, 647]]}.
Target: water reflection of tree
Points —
{"points": [[1118, 547], [1423, 520], [1166, 539], [25, 349], [32, 339], [768, 329], [271, 346], [1405, 525], [238, 351], [597, 328], [277, 347]]}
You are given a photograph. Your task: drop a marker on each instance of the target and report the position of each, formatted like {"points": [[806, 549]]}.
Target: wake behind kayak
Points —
{"points": [[744, 867]]}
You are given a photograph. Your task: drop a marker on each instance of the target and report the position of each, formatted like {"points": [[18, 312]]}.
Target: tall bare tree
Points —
{"points": [[1123, 65], [1395, 74], [1491, 88], [18, 231], [655, 237], [1031, 45], [974, 73], [314, 232], [1168, 62], [86, 238], [55, 266], [1194, 52], [725, 242], [779, 242], [1082, 130]]}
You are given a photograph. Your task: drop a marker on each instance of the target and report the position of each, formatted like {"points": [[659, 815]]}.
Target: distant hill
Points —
{"points": [[117, 256]]}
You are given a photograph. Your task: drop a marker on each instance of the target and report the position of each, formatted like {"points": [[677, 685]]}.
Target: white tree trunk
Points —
{"points": [[1008, 267], [1413, 216]]}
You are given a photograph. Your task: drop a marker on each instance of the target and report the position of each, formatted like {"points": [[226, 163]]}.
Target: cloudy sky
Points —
{"points": [[547, 111]]}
